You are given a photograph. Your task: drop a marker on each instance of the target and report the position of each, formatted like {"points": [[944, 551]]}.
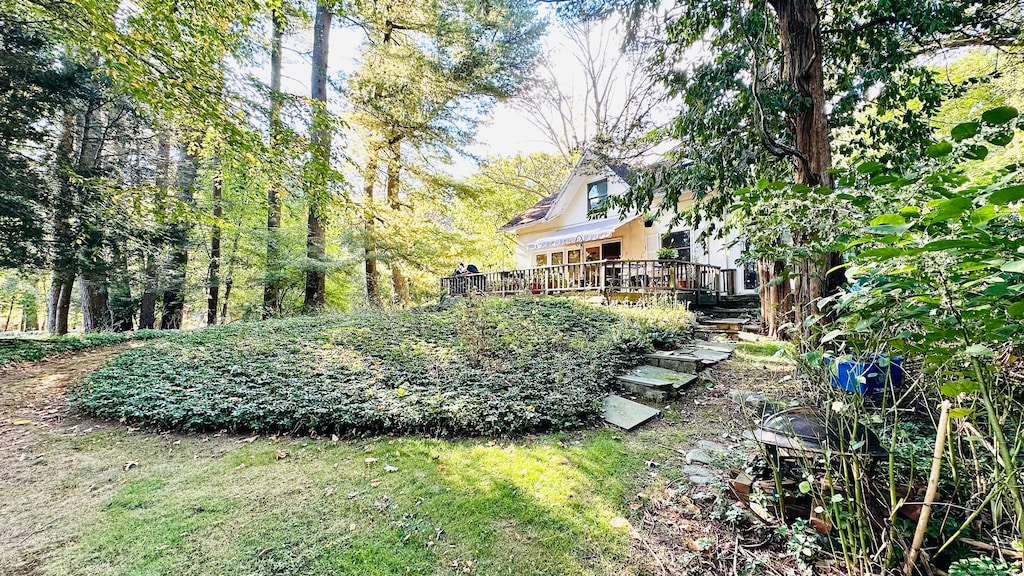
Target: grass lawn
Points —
{"points": [[99, 497]]}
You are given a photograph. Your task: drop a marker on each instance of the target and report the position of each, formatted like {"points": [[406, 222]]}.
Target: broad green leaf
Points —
{"points": [[888, 219], [965, 130], [1016, 310], [870, 167], [954, 389], [1013, 266], [1001, 138], [939, 149], [1007, 195], [961, 413], [983, 215], [831, 335], [979, 351], [886, 229], [977, 152], [948, 209], [1000, 115]]}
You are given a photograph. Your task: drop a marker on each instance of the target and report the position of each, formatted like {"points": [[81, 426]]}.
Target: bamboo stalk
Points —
{"points": [[933, 487]]}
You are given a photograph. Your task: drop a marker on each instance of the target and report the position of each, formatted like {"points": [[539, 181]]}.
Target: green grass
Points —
{"points": [[542, 506], [22, 349], [484, 366]]}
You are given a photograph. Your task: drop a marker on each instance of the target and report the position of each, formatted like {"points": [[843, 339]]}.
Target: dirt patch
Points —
{"points": [[32, 394]]}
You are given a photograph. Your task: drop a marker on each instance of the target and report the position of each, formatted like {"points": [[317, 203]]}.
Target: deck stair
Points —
{"points": [[729, 327]]}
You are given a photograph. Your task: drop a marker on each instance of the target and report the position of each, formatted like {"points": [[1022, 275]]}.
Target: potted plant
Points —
{"points": [[666, 253]]}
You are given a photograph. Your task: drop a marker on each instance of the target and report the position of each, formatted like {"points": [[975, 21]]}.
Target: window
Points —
{"points": [[597, 193], [593, 253], [573, 257], [556, 258], [750, 279], [680, 242], [542, 259], [611, 250]]}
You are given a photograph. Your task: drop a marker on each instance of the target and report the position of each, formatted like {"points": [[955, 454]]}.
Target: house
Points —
{"points": [[557, 231], [560, 248]]}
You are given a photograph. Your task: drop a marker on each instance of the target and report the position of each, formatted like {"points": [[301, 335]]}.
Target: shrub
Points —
{"points": [[486, 366]]}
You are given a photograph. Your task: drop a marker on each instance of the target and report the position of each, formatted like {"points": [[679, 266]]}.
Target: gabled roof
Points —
{"points": [[536, 212]]}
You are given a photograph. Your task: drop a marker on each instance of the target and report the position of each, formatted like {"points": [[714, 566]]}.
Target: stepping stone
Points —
{"points": [[675, 361], [726, 321], [626, 414], [654, 383], [726, 347], [699, 456]]}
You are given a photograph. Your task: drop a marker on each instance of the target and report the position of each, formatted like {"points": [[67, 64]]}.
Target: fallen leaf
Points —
{"points": [[619, 523], [329, 490], [389, 468], [130, 464], [442, 467], [248, 440], [240, 466], [636, 506], [370, 461], [281, 454], [375, 483], [21, 422]]}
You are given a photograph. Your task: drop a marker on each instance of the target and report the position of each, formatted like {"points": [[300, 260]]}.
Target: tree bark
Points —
{"points": [[229, 278], [213, 273], [399, 284], [64, 261], [151, 271], [93, 266], [801, 45], [320, 139], [369, 234], [173, 312], [776, 296], [272, 282], [122, 308]]}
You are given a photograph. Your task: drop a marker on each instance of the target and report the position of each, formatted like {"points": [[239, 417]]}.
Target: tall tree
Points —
{"points": [[320, 142], [428, 70], [272, 283], [173, 311], [786, 74]]}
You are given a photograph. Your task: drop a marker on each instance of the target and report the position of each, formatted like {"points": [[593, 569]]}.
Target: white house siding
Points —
{"points": [[638, 241]]}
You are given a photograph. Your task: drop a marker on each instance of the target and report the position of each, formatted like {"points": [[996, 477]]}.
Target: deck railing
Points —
{"points": [[603, 276]]}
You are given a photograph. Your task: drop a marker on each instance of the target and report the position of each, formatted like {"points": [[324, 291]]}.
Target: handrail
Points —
{"points": [[642, 276]]}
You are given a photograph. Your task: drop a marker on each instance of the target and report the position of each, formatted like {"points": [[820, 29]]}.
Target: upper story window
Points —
{"points": [[597, 194]]}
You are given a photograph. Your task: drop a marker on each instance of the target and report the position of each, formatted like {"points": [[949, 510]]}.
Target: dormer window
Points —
{"points": [[597, 194]]}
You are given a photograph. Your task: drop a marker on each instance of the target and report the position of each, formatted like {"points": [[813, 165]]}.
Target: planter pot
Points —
{"points": [[867, 375]]}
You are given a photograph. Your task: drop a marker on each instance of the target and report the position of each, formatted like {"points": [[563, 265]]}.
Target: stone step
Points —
{"points": [[654, 383], [626, 414], [726, 347]]}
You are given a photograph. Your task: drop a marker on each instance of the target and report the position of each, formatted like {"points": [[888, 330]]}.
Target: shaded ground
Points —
{"points": [[88, 497]]}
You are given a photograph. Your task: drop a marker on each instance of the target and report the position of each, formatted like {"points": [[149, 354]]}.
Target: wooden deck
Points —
{"points": [[613, 279]]}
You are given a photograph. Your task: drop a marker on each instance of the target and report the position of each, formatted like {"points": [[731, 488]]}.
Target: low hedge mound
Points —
{"points": [[22, 349], [484, 366]]}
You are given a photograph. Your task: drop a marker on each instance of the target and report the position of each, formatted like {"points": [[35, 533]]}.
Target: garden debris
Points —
{"points": [[626, 414], [130, 464]]}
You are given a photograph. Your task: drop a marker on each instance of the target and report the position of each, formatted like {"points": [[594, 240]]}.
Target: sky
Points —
{"points": [[505, 132]]}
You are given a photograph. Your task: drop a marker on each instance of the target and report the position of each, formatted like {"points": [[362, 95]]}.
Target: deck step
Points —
{"points": [[653, 383]]}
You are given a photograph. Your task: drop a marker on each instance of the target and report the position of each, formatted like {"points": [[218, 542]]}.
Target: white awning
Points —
{"points": [[597, 230]]}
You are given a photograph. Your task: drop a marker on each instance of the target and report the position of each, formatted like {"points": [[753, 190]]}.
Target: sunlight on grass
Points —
{"points": [[382, 506]]}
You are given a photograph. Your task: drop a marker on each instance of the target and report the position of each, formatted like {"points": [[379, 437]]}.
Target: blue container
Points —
{"points": [[845, 374]]}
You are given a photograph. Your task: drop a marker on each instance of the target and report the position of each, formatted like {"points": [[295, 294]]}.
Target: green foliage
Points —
{"points": [[488, 366], [21, 349], [982, 567]]}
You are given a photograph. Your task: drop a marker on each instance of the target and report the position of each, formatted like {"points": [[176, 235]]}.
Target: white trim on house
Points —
{"points": [[588, 232]]}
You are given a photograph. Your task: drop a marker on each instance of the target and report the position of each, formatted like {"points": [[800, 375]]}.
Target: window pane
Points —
{"points": [[556, 258], [593, 253], [611, 250], [574, 257], [542, 259], [680, 242], [597, 193]]}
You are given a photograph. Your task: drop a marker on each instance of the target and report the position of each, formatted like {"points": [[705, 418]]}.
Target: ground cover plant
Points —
{"points": [[26, 349], [483, 366]]}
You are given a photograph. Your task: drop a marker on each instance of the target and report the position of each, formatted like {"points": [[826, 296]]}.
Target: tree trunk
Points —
{"points": [[122, 308], [399, 284], [320, 139], [776, 296], [369, 235], [272, 282], [213, 275], [92, 238], [229, 278], [801, 45], [174, 293], [64, 260], [151, 273]]}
